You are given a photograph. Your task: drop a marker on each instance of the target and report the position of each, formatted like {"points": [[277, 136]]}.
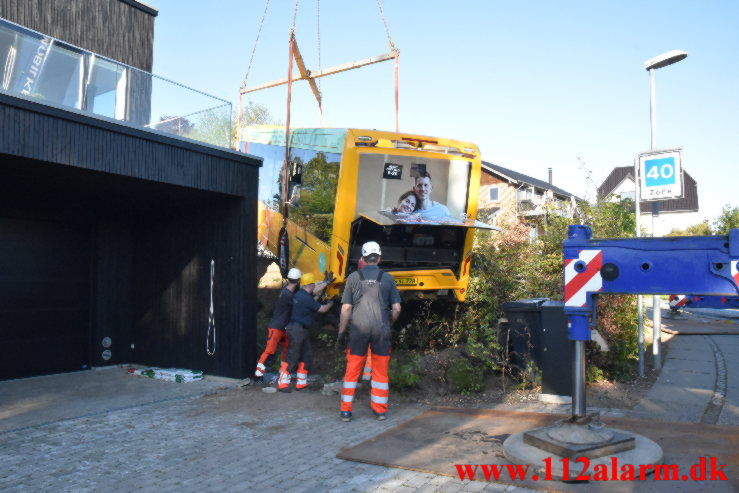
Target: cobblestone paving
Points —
{"points": [[231, 441]]}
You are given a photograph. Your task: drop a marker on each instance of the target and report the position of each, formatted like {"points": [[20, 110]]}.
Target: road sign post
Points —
{"points": [[659, 176]]}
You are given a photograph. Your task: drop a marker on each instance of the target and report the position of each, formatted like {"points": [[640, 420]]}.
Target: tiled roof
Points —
{"points": [[515, 176]]}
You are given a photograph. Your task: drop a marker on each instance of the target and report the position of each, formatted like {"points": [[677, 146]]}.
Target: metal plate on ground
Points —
{"points": [[441, 438], [540, 438]]}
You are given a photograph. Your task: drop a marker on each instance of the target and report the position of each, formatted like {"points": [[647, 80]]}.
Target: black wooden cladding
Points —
{"points": [[44, 289], [121, 30], [158, 210], [171, 313], [51, 134]]}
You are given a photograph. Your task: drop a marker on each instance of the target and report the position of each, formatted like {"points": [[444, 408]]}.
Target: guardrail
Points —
{"points": [[37, 66]]}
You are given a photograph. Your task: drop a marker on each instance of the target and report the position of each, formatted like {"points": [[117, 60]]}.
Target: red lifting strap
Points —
{"points": [[286, 165], [397, 83]]}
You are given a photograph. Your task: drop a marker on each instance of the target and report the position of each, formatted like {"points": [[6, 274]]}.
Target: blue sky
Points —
{"points": [[535, 84]]}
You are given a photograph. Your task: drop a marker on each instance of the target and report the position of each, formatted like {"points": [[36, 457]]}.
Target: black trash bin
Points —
{"points": [[524, 328], [538, 334]]}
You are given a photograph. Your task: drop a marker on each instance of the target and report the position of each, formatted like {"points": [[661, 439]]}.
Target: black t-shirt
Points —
{"points": [[283, 310], [388, 289]]}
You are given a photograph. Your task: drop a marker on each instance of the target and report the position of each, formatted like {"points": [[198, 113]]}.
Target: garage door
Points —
{"points": [[44, 298]]}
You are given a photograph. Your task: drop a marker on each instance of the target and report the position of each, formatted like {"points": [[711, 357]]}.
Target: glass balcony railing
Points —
{"points": [[56, 73]]}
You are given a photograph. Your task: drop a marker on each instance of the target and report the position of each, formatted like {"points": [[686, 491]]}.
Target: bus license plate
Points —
{"points": [[406, 281]]}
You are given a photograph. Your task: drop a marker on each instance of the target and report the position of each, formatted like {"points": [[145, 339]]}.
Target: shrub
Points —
{"points": [[617, 323], [728, 219], [464, 377], [404, 371]]}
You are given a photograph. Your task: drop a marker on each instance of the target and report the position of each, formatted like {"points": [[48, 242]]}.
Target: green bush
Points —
{"points": [[509, 265], [617, 323], [404, 371], [464, 377], [728, 219]]}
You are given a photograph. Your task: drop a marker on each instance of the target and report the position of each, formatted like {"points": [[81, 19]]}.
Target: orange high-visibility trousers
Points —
{"points": [[275, 338], [354, 366], [380, 385], [380, 389], [367, 372]]}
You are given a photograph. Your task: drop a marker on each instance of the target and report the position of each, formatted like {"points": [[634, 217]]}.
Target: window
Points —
{"points": [[106, 88], [450, 180], [39, 66], [494, 193]]}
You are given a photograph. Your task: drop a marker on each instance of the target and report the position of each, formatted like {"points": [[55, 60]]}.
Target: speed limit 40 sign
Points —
{"points": [[660, 175]]}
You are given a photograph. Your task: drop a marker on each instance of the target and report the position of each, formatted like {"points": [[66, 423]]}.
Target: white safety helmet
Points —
{"points": [[371, 247], [294, 274]]}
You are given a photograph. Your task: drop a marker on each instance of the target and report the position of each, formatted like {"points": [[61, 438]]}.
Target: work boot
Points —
{"points": [[259, 380], [286, 390], [346, 416], [379, 416]]}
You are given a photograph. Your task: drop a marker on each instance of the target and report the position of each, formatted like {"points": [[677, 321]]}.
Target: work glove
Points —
{"points": [[340, 341]]}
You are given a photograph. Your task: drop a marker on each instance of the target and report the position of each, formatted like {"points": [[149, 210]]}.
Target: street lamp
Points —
{"points": [[651, 65]]}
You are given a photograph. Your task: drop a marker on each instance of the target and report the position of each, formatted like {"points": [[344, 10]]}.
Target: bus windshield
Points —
{"points": [[421, 188]]}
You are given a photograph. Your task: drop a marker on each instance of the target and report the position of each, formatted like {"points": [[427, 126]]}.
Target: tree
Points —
{"points": [[253, 114], [700, 229], [728, 219], [214, 126]]}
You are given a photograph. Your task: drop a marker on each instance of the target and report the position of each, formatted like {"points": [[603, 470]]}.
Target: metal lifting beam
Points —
{"points": [[703, 265], [304, 73], [310, 76]]}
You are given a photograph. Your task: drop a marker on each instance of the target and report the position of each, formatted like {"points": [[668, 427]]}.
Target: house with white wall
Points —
{"points": [[673, 213]]}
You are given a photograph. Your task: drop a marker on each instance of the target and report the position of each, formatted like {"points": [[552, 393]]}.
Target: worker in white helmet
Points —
{"points": [[370, 304], [277, 336]]}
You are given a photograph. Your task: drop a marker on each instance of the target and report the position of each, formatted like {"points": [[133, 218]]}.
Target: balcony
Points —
{"points": [[51, 72], [530, 203]]}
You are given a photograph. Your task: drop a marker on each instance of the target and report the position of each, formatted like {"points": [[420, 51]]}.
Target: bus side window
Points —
{"points": [[295, 182], [314, 190]]}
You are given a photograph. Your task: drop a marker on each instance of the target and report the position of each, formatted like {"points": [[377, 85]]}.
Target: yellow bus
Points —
{"points": [[342, 187]]}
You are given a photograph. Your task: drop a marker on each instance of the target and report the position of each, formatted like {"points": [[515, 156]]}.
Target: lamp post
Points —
{"points": [[651, 65]]}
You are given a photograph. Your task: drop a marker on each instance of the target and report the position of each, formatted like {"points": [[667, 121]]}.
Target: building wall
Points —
{"points": [[117, 29], [158, 211], [506, 195], [172, 273], [665, 221], [625, 189]]}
